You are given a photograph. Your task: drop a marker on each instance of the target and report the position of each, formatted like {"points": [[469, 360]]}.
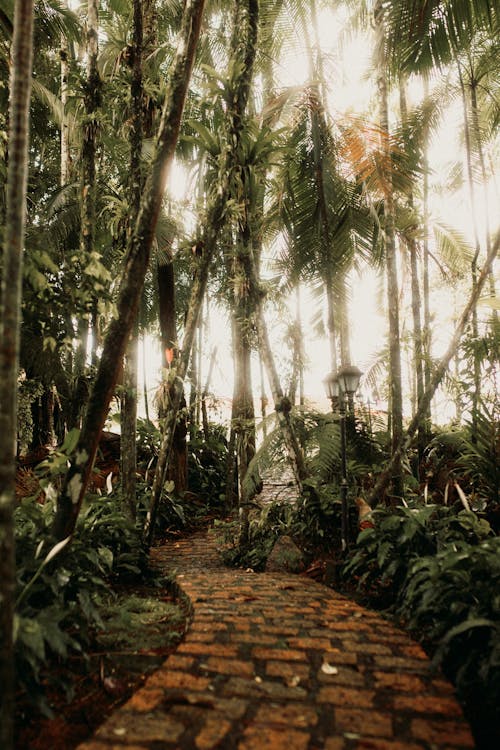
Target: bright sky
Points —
{"points": [[349, 90]]}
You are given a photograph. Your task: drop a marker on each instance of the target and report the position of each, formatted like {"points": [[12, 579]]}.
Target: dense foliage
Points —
{"points": [[437, 569]]}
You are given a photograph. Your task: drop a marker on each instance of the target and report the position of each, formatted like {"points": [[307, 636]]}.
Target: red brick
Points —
{"points": [[414, 651], [312, 643], [216, 649], [265, 688], [342, 696], [286, 670], [258, 638], [335, 656], [257, 737], [177, 680], [215, 729], [292, 714], [398, 681], [228, 666], [363, 722], [373, 744], [334, 743], [177, 661], [366, 648], [401, 663], [144, 700], [442, 732], [427, 704], [286, 654], [280, 630], [206, 623]]}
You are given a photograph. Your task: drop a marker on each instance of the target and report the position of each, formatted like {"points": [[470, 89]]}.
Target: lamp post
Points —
{"points": [[339, 387]]}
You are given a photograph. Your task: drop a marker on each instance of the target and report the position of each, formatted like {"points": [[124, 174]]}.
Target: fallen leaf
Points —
{"points": [[329, 668]]}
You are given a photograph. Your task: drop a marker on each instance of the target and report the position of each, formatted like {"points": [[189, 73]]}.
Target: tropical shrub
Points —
{"points": [[207, 465], [438, 570], [383, 554], [62, 588], [263, 530]]}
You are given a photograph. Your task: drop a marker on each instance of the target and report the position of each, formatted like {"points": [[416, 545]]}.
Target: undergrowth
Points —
{"points": [[64, 589], [437, 569]]}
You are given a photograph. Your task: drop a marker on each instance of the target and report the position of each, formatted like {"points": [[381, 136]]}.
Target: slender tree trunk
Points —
{"points": [[231, 469], [282, 405], [204, 395], [199, 359], [415, 302], [10, 319], [65, 154], [177, 470], [193, 391], [243, 392], [476, 128], [243, 49], [145, 378], [128, 446], [318, 129], [396, 396], [427, 333], [476, 392], [263, 397], [138, 252], [343, 315], [406, 439]]}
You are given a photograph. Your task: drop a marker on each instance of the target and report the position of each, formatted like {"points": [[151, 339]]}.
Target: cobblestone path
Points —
{"points": [[279, 662]]}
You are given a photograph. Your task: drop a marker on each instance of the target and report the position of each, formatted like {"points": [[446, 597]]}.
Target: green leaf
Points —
{"points": [[71, 441]]}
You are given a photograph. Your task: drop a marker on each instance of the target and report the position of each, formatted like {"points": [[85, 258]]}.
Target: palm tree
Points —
{"points": [[137, 258], [439, 372], [10, 314], [237, 89], [396, 394]]}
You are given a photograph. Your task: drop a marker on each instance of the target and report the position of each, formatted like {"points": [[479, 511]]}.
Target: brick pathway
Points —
{"points": [[279, 662]]}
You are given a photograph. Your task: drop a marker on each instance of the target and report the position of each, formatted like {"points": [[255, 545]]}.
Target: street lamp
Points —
{"points": [[338, 386]]}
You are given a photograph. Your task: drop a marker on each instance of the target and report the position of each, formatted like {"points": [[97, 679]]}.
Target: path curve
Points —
{"points": [[280, 662]]}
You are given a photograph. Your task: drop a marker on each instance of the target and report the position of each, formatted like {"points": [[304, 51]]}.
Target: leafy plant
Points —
{"points": [[263, 531], [438, 568], [207, 465], [452, 599], [384, 553]]}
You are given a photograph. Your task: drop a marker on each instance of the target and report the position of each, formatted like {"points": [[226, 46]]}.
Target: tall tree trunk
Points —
{"points": [[476, 131], [282, 405], [243, 49], [65, 154], [244, 413], [319, 128], [177, 470], [204, 394], [193, 391], [415, 301], [476, 364], [396, 396], [427, 336], [343, 316], [145, 378], [10, 319], [128, 423], [128, 446], [88, 192], [136, 264], [406, 439]]}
